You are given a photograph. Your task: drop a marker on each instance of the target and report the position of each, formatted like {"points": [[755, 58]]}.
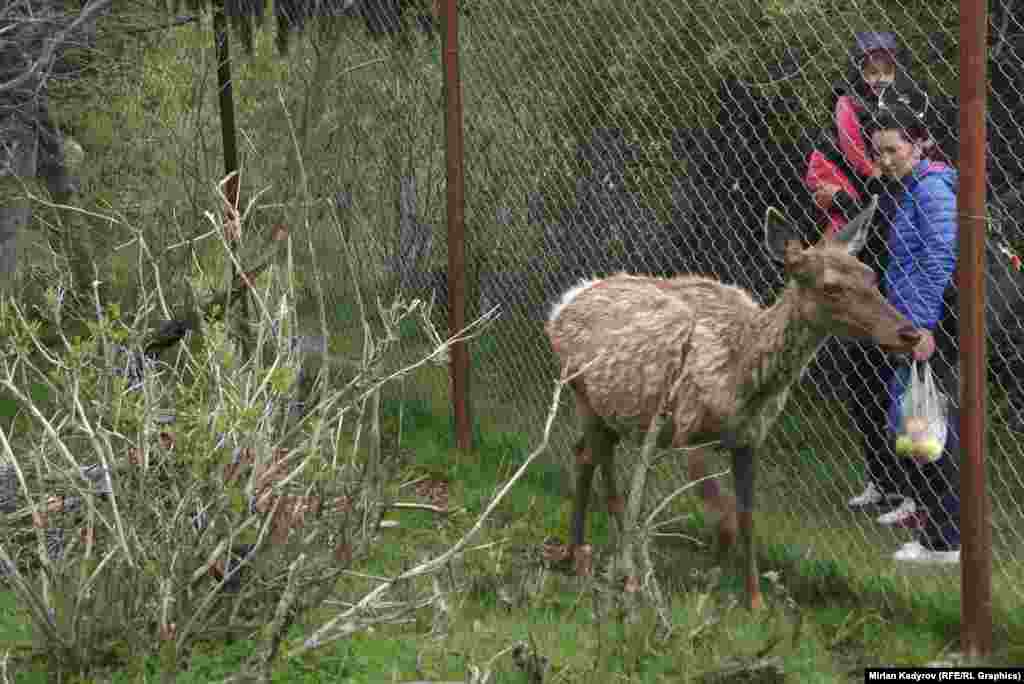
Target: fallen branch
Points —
{"points": [[349, 622], [45, 61], [284, 616], [637, 531], [483, 675], [421, 507], [173, 23], [677, 535]]}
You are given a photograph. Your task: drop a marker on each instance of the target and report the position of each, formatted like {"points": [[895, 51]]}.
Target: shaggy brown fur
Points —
{"points": [[638, 327]]}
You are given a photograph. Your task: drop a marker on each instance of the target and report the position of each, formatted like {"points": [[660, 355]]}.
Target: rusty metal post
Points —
{"points": [[229, 137], [454, 158], [976, 534], [226, 99]]}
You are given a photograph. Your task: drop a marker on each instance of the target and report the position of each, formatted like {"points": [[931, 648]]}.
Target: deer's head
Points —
{"points": [[837, 292]]}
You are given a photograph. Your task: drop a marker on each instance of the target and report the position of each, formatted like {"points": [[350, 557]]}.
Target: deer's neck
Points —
{"points": [[776, 347]]}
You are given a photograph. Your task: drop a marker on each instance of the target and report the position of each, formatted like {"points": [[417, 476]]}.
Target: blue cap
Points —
{"points": [[868, 41]]}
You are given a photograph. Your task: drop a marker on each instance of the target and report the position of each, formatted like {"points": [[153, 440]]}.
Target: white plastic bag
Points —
{"points": [[923, 417]]}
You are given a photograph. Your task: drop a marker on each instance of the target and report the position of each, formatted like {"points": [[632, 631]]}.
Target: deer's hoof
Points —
{"points": [[583, 560], [727, 531]]}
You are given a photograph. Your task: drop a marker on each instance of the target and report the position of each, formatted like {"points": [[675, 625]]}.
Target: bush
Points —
{"points": [[156, 503]]}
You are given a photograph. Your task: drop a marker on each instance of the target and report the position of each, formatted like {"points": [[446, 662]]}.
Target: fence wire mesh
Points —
{"points": [[600, 136], [650, 137]]}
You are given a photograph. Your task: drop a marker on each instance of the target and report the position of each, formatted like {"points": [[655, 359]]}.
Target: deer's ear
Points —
{"points": [[781, 238], [855, 233]]}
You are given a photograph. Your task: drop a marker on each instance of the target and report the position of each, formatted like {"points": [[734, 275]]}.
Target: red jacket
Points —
{"points": [[821, 170]]}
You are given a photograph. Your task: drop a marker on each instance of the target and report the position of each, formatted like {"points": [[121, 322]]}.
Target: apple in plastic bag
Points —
{"points": [[916, 428], [917, 431], [928, 450], [904, 445]]}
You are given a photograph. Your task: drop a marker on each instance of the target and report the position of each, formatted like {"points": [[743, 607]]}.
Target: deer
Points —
{"points": [[718, 366]]}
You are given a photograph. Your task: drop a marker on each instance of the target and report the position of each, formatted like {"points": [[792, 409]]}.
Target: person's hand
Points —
{"points": [[824, 194], [925, 346]]}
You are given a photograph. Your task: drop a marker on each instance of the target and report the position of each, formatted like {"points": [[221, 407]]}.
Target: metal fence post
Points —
{"points": [[229, 137], [976, 565], [226, 99], [454, 158]]}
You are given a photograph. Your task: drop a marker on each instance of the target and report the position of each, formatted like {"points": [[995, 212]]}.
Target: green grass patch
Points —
{"points": [[823, 624]]}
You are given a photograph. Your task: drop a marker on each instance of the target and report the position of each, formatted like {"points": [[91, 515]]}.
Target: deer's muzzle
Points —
{"points": [[906, 339]]}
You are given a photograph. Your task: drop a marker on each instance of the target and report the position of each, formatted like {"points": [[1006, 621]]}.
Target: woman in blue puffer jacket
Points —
{"points": [[922, 259]]}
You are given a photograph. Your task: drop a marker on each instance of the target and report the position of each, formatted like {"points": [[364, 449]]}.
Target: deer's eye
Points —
{"points": [[833, 289]]}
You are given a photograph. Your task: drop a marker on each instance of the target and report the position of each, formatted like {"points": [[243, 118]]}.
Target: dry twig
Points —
{"points": [[352, 620]]}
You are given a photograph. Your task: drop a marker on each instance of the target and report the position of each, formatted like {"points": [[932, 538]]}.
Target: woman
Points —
{"points": [[923, 251], [840, 174]]}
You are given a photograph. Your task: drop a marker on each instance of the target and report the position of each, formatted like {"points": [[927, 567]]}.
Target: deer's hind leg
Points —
{"points": [[595, 447]]}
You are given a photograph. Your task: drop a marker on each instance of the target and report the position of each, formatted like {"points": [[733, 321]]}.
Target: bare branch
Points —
{"points": [[45, 60], [421, 507], [3, 667], [348, 622], [173, 23]]}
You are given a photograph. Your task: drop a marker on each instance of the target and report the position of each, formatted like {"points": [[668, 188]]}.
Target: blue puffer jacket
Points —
{"points": [[923, 243]]}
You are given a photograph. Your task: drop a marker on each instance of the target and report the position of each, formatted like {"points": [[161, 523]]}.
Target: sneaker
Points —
{"points": [[871, 496], [914, 521], [898, 515], [915, 552]]}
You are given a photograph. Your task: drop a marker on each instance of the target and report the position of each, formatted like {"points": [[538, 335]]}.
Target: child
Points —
{"points": [[840, 173]]}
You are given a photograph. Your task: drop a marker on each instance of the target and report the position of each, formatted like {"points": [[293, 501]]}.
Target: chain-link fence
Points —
{"points": [[647, 137], [651, 137], [600, 136]]}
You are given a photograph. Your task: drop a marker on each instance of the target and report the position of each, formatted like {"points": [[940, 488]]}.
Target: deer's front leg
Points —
{"points": [[616, 504], [744, 466]]}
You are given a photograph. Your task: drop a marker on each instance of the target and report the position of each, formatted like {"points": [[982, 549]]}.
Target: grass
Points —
{"points": [[826, 619]]}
